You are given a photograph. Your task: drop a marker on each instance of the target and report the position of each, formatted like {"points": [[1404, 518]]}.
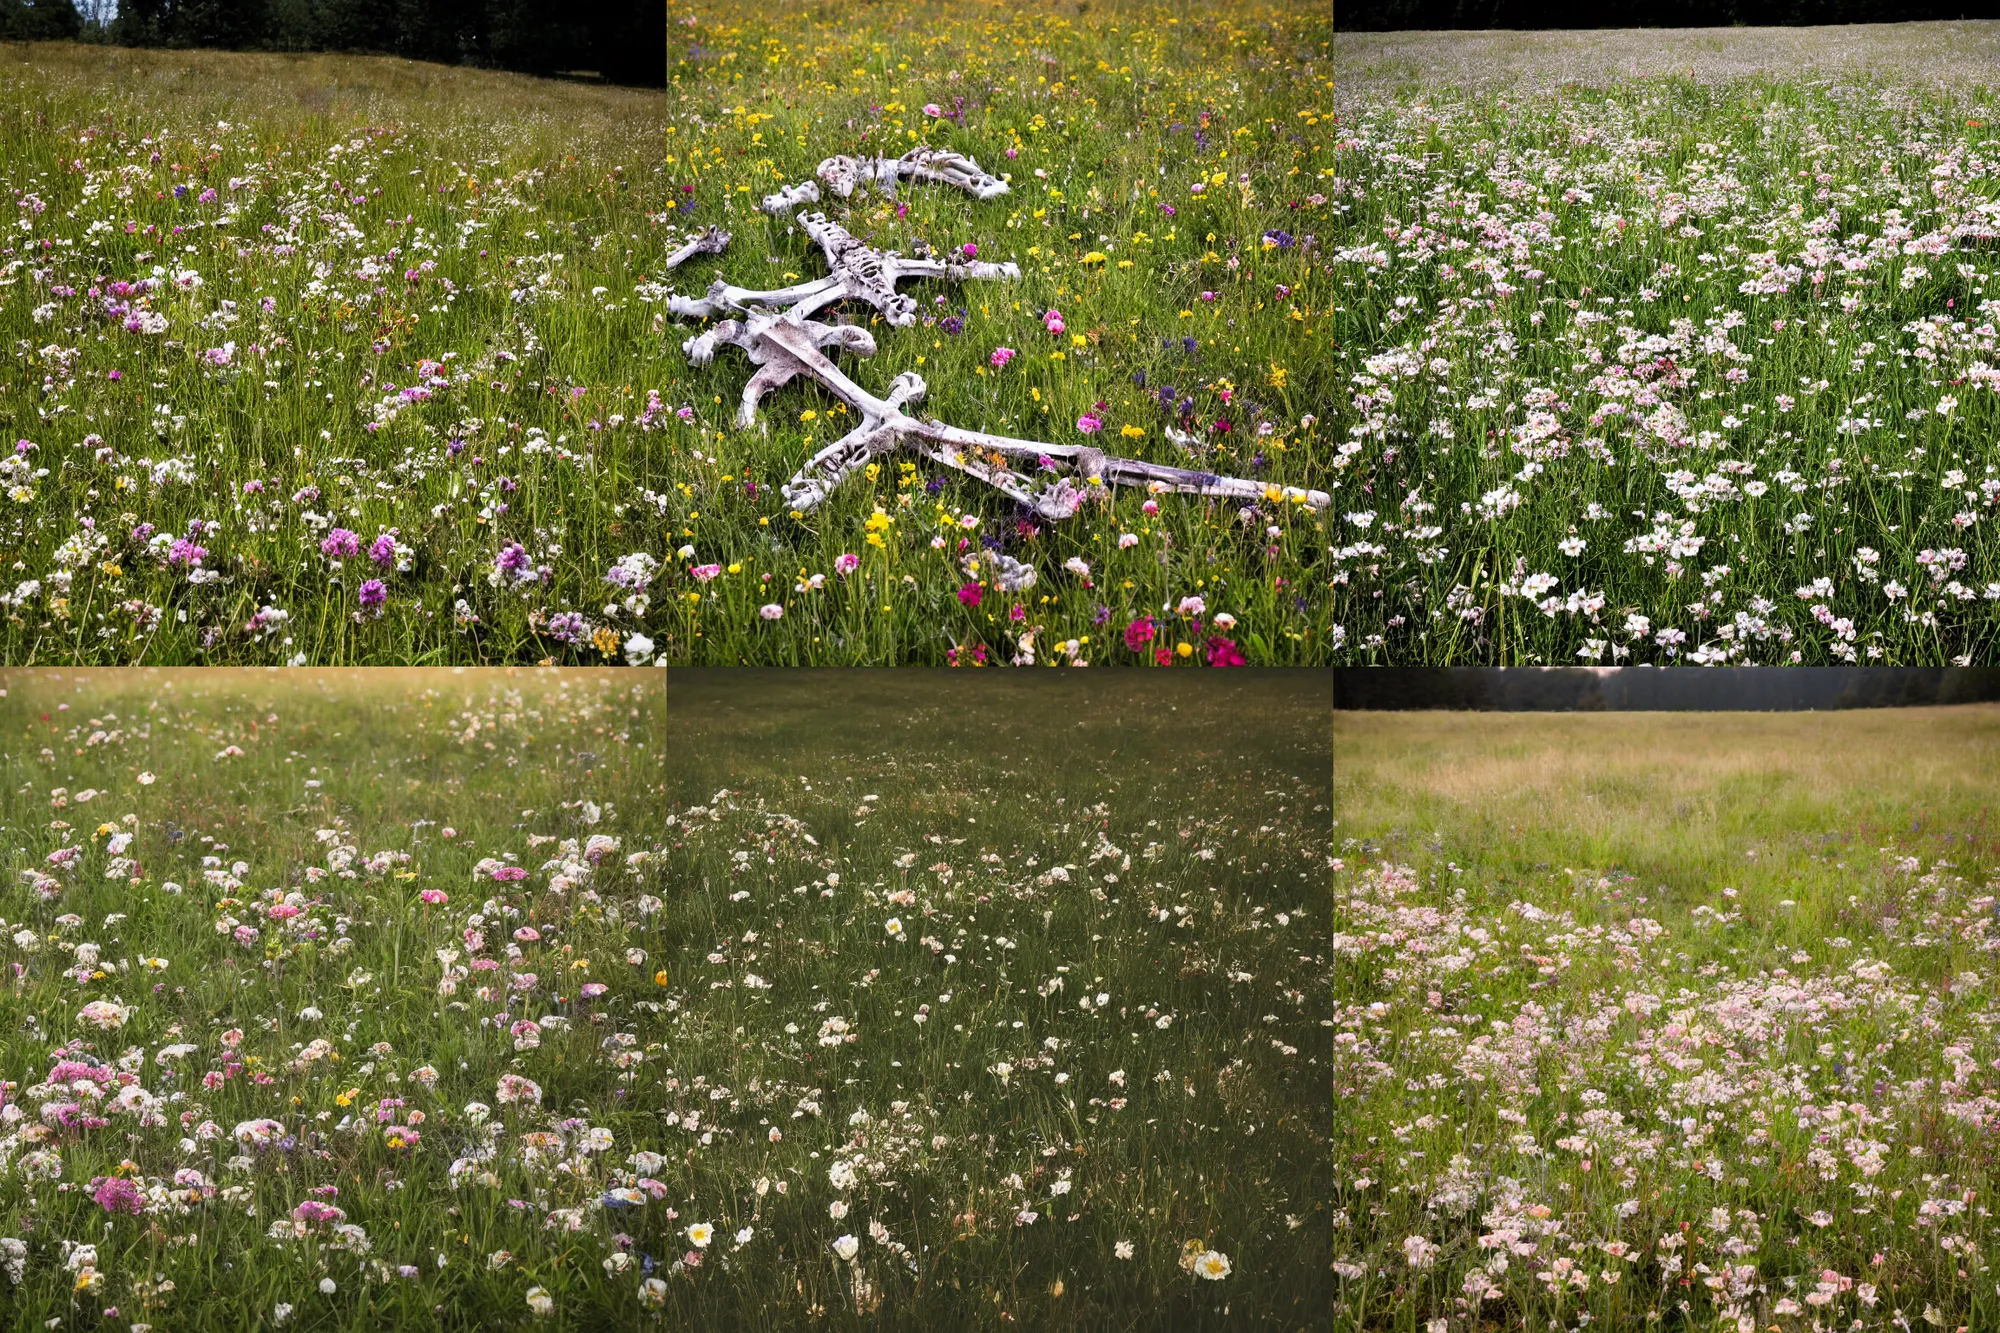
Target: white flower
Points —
{"points": [[847, 1247], [771, 611], [327, 1286], [743, 1236], [540, 1301], [1123, 1249], [700, 1234], [638, 650], [894, 927], [281, 1314], [652, 1293], [147, 780], [1212, 1265]]}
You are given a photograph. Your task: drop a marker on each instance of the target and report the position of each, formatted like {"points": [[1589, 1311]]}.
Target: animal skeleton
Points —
{"points": [[776, 330]]}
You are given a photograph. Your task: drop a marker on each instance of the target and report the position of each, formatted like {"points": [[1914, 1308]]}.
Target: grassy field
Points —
{"points": [[1667, 348], [347, 360], [1031, 979], [253, 1057], [1666, 1020]]}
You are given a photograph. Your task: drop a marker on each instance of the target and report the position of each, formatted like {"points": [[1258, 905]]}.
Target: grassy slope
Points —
{"points": [[1119, 111]]}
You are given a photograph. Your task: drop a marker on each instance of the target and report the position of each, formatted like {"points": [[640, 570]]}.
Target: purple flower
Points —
{"points": [[185, 552], [569, 627], [340, 542], [513, 560], [374, 593], [115, 1194], [383, 552]]}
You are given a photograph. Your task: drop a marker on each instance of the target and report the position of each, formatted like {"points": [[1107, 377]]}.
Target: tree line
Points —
{"points": [[623, 41]]}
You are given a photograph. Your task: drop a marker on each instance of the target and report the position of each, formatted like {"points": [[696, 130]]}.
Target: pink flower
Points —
{"points": [[593, 989], [846, 563], [1052, 320], [1001, 356], [340, 542], [509, 874], [703, 573], [970, 594], [1089, 424], [434, 897], [114, 1194], [969, 250], [933, 109]]}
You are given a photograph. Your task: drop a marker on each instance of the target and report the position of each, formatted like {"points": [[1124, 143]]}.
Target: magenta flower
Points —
{"points": [[1052, 320], [510, 874], [340, 542], [1001, 356], [383, 551], [703, 573], [1089, 423], [115, 1194], [969, 250], [434, 897], [846, 563], [1139, 633], [970, 594], [1223, 652], [374, 593], [185, 552]]}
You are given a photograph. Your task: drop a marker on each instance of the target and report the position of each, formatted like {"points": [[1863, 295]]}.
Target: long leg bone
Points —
{"points": [[789, 198], [711, 242]]}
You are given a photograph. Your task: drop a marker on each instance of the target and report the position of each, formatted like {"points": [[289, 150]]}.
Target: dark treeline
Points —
{"points": [[624, 41], [1387, 15]]}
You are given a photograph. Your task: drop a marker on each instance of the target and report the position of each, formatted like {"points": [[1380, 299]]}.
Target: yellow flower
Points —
{"points": [[1094, 257], [1132, 432], [1184, 649], [660, 977]]}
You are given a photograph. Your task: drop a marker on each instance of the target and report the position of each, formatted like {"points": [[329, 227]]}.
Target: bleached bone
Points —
{"points": [[860, 272], [711, 242], [943, 165], [789, 198], [991, 458], [775, 329]]}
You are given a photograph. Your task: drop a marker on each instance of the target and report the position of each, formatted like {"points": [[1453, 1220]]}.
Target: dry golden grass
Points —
{"points": [[1673, 796]]}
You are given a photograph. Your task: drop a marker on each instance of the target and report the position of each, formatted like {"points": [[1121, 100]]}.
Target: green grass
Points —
{"points": [[1000, 1150], [545, 212], [1713, 988], [1667, 350], [1113, 889], [385, 762]]}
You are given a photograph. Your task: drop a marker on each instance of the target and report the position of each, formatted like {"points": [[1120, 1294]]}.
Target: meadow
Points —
{"points": [[338, 360], [1026, 987], [319, 1012], [1666, 1020], [1666, 348]]}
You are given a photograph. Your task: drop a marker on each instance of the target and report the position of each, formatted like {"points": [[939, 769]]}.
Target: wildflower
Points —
{"points": [[1223, 652], [340, 542], [970, 594], [638, 649], [373, 593], [1001, 356], [1139, 633], [771, 611], [700, 1234], [847, 1247], [1212, 1265], [1052, 320], [514, 1089], [541, 1302], [1089, 423]]}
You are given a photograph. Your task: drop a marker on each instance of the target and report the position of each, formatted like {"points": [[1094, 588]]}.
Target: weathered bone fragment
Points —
{"points": [[942, 165], [789, 198], [711, 242], [860, 272]]}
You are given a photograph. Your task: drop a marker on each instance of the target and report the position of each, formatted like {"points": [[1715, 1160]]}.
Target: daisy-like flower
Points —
{"points": [[1212, 1265], [700, 1234]]}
